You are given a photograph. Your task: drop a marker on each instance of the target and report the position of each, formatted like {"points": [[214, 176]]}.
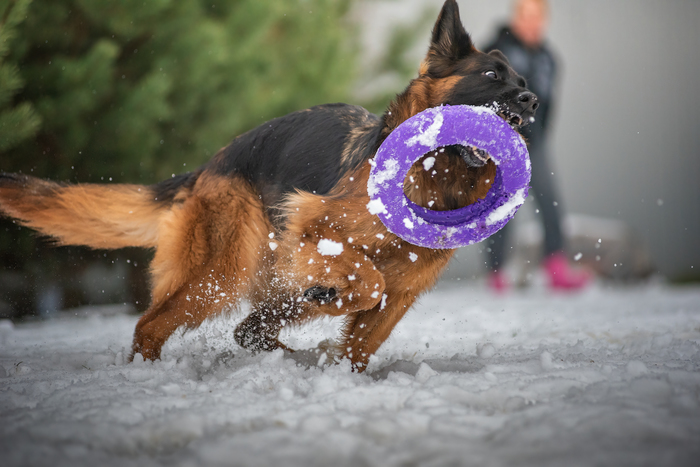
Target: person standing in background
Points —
{"points": [[523, 42]]}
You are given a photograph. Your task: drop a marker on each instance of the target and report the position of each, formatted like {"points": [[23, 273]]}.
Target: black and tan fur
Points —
{"points": [[247, 224]]}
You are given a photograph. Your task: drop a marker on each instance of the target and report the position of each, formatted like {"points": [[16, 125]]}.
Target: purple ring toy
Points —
{"points": [[434, 128]]}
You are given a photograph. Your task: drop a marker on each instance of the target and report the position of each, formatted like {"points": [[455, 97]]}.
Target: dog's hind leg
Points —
{"points": [[212, 244], [188, 307]]}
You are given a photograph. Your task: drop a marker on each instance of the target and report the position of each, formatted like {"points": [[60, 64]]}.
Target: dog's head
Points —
{"points": [[460, 74], [454, 72]]}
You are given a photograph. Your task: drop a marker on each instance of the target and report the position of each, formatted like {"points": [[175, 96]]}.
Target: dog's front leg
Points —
{"points": [[272, 310], [332, 278], [365, 331]]}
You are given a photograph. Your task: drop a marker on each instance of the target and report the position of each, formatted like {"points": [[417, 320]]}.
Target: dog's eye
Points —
{"points": [[491, 74]]}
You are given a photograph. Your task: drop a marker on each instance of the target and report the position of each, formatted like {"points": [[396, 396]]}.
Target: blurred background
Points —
{"points": [[134, 91]]}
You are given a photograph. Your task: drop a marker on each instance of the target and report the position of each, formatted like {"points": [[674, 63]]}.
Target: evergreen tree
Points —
{"points": [[17, 122], [137, 90]]}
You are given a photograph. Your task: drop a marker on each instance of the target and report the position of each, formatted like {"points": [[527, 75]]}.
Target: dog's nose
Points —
{"points": [[528, 100]]}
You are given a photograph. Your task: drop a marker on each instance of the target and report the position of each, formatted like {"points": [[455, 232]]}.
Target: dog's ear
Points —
{"points": [[498, 54], [449, 43]]}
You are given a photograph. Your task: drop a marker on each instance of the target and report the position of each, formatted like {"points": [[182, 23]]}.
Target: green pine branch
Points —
{"points": [[17, 122]]}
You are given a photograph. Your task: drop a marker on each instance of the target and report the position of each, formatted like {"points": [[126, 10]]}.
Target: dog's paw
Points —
{"points": [[331, 353], [319, 293]]}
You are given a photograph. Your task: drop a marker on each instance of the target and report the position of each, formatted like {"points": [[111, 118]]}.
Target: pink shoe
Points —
{"points": [[498, 282], [562, 276]]}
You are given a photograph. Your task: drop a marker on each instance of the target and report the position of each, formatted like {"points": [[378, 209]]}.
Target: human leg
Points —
{"points": [[543, 187]]}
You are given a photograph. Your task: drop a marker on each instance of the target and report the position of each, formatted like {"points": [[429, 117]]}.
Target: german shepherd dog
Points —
{"points": [[247, 224]]}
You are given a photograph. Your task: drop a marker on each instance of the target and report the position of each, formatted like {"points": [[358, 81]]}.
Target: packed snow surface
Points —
{"points": [[605, 377]]}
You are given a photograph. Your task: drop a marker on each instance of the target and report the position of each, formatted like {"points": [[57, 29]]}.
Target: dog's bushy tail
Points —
{"points": [[98, 216]]}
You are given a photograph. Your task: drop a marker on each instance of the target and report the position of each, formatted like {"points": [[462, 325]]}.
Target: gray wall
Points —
{"points": [[627, 137]]}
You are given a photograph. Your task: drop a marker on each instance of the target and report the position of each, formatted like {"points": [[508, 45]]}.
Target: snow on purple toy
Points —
{"points": [[427, 131]]}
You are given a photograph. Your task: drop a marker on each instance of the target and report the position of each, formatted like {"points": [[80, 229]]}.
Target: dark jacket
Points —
{"points": [[538, 67]]}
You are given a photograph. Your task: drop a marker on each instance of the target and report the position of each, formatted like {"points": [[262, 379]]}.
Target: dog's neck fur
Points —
{"points": [[412, 101], [423, 92]]}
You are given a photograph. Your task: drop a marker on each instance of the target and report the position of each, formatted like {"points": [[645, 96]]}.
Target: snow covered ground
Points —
{"points": [[606, 377]]}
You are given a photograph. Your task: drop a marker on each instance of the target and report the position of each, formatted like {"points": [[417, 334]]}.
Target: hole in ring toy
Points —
{"points": [[425, 132]]}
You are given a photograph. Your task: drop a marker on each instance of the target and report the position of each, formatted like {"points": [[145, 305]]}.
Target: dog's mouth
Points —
{"points": [[515, 120], [474, 157]]}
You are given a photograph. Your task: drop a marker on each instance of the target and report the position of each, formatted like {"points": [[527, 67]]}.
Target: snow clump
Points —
{"points": [[329, 248]]}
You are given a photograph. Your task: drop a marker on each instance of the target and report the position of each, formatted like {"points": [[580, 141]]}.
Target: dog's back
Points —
{"points": [[308, 150]]}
